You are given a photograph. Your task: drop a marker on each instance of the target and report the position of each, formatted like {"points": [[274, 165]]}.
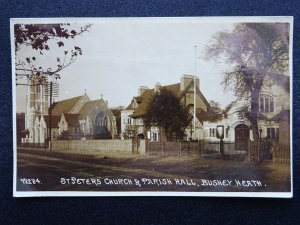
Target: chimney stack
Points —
{"points": [[157, 86], [142, 89], [185, 81]]}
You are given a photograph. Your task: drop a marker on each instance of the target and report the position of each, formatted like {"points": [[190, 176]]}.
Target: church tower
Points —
{"points": [[37, 104]]}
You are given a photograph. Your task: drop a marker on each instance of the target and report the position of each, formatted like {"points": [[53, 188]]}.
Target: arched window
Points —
{"points": [[266, 103], [100, 125]]}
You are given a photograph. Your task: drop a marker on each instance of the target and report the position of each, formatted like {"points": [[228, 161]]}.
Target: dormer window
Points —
{"points": [[266, 103], [134, 103]]}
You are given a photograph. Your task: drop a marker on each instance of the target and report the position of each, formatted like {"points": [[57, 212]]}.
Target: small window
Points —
{"points": [[273, 133], [212, 132]]}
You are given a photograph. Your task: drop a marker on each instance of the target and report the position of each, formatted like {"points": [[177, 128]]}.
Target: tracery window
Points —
{"points": [[266, 103]]}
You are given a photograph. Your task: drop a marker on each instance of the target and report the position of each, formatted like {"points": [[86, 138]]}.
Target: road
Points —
{"points": [[96, 171]]}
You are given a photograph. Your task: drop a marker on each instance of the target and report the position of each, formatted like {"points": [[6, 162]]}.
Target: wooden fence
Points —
{"points": [[267, 150], [195, 148], [253, 151], [281, 153]]}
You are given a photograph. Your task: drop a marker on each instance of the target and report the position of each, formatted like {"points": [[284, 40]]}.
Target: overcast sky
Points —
{"points": [[119, 55]]}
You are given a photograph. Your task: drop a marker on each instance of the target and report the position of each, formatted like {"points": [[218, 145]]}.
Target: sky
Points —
{"points": [[120, 55]]}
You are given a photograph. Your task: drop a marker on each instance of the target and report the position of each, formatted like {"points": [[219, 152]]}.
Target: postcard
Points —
{"points": [[182, 106]]}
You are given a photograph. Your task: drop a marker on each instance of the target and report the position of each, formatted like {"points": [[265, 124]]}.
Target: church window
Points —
{"points": [[266, 103]]}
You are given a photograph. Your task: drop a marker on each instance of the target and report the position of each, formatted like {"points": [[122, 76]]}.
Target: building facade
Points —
{"points": [[132, 116], [274, 115], [77, 117], [36, 106]]}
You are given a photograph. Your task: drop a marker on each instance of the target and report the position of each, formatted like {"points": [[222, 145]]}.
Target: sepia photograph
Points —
{"points": [[157, 106]]}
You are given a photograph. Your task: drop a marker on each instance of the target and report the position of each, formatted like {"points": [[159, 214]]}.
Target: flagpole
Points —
{"points": [[195, 92]]}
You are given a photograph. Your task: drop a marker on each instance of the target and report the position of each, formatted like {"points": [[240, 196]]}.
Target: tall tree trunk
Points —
{"points": [[254, 112], [163, 135]]}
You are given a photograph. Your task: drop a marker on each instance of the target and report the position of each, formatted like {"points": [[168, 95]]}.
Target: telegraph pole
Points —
{"points": [[194, 121], [51, 90]]}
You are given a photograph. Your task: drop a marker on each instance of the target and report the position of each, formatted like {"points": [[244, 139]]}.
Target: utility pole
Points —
{"points": [[194, 121], [51, 90]]}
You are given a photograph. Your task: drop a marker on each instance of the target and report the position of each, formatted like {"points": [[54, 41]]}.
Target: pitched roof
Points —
{"points": [[229, 106], [208, 116], [54, 121], [282, 80], [64, 106], [72, 119], [140, 110], [145, 99], [116, 112], [281, 115], [88, 108], [147, 95]]}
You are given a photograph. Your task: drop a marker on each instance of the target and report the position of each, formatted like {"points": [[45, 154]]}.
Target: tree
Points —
{"points": [[254, 50], [39, 37], [215, 106], [130, 131], [166, 112]]}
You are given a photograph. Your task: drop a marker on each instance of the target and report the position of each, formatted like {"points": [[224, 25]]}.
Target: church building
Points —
{"points": [[74, 118]]}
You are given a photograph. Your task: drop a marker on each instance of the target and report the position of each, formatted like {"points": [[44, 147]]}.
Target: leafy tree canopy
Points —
{"points": [[215, 106], [40, 37], [254, 50], [166, 112]]}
